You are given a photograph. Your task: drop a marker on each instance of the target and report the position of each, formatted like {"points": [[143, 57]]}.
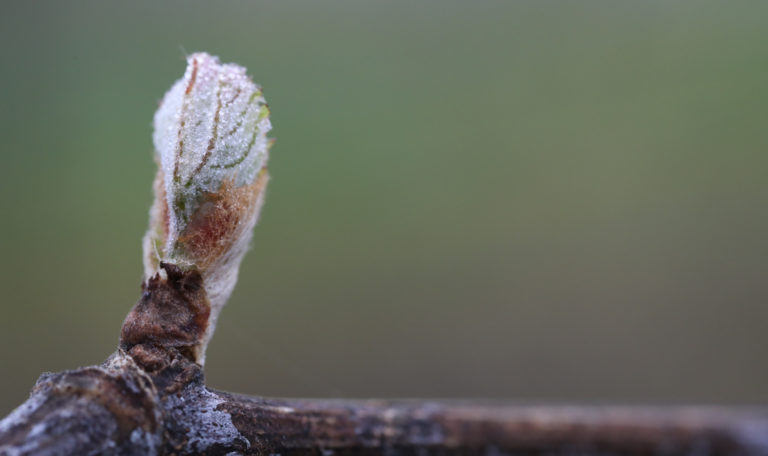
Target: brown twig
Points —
{"points": [[117, 408], [149, 397]]}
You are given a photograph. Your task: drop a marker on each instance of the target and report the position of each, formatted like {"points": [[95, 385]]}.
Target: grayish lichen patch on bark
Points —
{"points": [[195, 411], [20, 413], [110, 409]]}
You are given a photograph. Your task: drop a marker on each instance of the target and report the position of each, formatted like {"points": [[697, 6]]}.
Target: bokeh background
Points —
{"points": [[554, 201]]}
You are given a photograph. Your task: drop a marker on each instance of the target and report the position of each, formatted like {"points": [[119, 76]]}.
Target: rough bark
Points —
{"points": [[117, 408], [149, 398]]}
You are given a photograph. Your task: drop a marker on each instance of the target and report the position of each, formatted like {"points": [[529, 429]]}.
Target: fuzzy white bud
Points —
{"points": [[211, 146]]}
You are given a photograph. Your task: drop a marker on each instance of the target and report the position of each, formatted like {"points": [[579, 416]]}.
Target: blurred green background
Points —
{"points": [[558, 201]]}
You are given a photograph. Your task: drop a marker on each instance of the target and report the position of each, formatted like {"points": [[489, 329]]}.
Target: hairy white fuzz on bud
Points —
{"points": [[211, 147]]}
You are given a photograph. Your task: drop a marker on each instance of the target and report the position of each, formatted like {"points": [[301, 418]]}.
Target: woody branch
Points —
{"points": [[149, 397]]}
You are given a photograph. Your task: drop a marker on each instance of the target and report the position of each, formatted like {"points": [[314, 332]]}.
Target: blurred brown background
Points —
{"points": [[558, 201]]}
